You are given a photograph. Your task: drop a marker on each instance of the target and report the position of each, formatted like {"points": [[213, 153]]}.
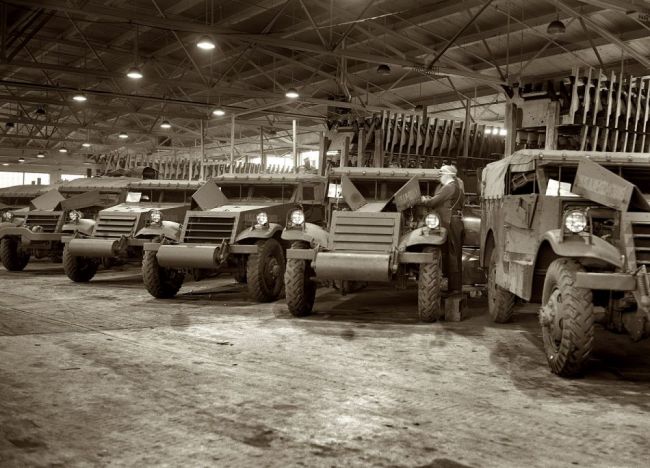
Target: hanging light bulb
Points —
{"points": [[40, 110], [86, 144], [80, 97], [63, 149], [9, 125], [219, 112], [165, 125], [21, 160], [40, 155], [556, 28], [123, 135], [383, 69], [205, 43], [5, 164], [134, 73], [292, 93]]}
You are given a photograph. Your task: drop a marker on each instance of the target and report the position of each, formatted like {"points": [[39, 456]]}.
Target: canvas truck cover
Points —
{"points": [[102, 184], [156, 184], [494, 174], [24, 191]]}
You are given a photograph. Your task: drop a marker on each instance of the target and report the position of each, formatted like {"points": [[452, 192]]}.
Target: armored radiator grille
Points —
{"points": [[641, 235], [364, 232], [208, 229], [113, 226], [47, 221]]}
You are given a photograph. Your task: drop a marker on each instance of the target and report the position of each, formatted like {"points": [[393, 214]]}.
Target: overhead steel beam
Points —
{"points": [[232, 35]]}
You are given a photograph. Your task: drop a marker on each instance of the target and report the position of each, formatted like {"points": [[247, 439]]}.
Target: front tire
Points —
{"points": [[79, 269], [566, 318], [12, 256], [162, 283], [300, 288], [501, 302], [429, 282], [265, 271]]}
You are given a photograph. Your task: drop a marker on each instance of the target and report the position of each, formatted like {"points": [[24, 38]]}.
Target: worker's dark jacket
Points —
{"points": [[448, 201]]}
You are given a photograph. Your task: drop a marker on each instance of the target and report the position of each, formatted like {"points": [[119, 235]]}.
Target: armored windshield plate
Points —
{"points": [[351, 194], [408, 195], [48, 201], [83, 200], [601, 185], [209, 196]]}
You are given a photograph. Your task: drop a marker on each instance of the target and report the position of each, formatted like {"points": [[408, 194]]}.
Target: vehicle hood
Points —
{"points": [[237, 208], [143, 207]]}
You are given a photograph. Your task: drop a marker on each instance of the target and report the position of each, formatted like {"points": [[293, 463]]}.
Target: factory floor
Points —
{"points": [[103, 374]]}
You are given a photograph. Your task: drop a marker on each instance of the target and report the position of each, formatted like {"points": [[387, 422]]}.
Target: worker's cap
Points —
{"points": [[448, 170]]}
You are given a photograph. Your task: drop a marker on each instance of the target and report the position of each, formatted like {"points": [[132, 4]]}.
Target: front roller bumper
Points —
{"points": [[606, 281], [98, 248], [28, 237], [196, 256], [357, 266]]}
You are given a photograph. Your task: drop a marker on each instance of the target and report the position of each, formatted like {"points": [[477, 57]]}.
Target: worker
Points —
{"points": [[448, 200]]}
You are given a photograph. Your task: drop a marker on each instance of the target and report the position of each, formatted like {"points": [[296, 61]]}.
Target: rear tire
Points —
{"points": [[162, 283], [12, 256], [566, 318], [265, 271], [79, 269], [300, 288], [429, 283], [501, 302]]}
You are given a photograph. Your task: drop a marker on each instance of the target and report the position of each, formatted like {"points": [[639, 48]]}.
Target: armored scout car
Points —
{"points": [[571, 230], [153, 210], [39, 231], [238, 230], [376, 233]]}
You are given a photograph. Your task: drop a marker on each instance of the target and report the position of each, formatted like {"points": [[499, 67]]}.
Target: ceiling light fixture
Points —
{"points": [[21, 160], [63, 149], [556, 28], [40, 155], [40, 111], [219, 112], [80, 97], [86, 144], [134, 73], [383, 69], [5, 164], [205, 43], [9, 125], [123, 135], [165, 125], [292, 93]]}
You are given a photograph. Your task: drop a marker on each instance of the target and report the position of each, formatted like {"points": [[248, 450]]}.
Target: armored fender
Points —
{"points": [[592, 247], [169, 230], [423, 236], [311, 233], [83, 226], [259, 233]]}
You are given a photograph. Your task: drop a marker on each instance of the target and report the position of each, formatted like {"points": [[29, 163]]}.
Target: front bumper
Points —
{"points": [[606, 281], [28, 237], [357, 266], [197, 255], [91, 247]]}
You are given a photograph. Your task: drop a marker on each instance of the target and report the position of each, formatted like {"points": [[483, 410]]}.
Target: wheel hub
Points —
{"points": [[551, 316]]}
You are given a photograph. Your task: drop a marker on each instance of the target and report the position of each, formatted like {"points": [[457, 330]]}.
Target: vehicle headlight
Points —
{"points": [[75, 216], [297, 217], [8, 216], [575, 221], [262, 219], [432, 221], [155, 217]]}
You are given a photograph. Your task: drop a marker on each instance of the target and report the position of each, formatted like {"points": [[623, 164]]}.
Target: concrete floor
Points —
{"points": [[103, 374]]}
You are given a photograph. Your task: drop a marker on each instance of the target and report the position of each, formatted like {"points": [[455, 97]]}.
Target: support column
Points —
{"points": [[202, 174], [262, 155], [552, 122], [322, 154], [294, 151], [232, 144]]}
